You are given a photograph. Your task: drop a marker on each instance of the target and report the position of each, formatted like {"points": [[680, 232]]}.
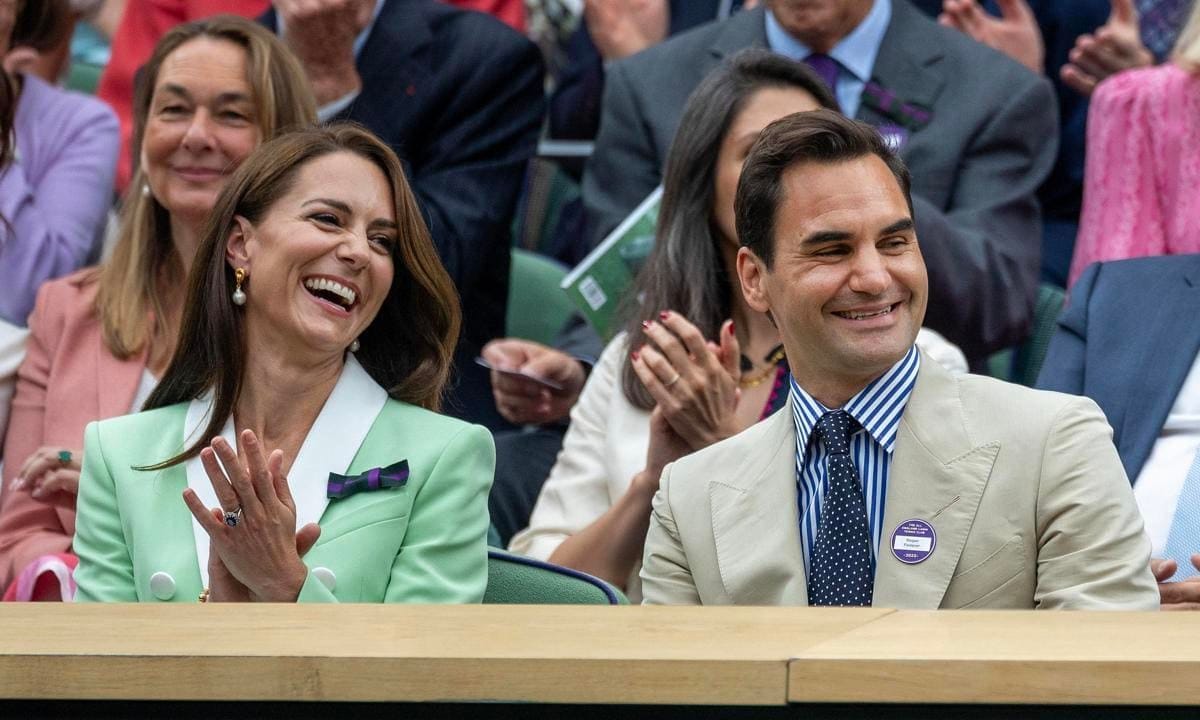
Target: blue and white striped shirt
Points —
{"points": [[877, 408]]}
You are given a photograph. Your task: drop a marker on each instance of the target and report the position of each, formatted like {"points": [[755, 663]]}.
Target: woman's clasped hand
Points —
{"points": [[694, 381], [255, 551], [51, 475]]}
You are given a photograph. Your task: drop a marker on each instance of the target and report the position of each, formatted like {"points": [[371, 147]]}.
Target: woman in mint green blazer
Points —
{"points": [[271, 464]]}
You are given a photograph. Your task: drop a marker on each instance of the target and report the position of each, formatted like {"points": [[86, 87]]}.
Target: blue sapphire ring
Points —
{"points": [[233, 517]]}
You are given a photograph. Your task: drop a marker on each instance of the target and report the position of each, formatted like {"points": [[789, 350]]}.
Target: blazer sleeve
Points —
{"points": [[984, 248], [1092, 550], [105, 571], [1065, 366], [666, 577], [485, 137], [1122, 215], [443, 558], [577, 493], [58, 210], [29, 528]]}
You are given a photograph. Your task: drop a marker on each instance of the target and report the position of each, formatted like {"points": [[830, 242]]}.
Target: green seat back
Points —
{"points": [[1021, 364], [537, 307], [517, 580]]}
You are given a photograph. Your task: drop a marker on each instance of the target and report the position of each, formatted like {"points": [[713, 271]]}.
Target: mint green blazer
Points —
{"points": [[423, 542]]}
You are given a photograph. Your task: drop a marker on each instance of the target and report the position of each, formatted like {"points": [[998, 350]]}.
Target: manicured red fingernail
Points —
{"points": [[730, 327], [664, 315], [645, 324], [634, 354]]}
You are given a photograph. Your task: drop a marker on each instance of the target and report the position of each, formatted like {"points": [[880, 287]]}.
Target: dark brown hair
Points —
{"points": [[822, 137], [41, 24], [408, 346], [684, 270]]}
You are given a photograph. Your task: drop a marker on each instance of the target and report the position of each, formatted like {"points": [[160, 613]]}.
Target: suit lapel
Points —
{"points": [[755, 520], [334, 439], [396, 64], [116, 384], [195, 420], [330, 446], [116, 380], [907, 64], [1160, 363], [743, 30], [938, 475]]}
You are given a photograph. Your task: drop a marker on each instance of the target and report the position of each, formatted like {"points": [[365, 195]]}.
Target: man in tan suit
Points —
{"points": [[885, 481]]}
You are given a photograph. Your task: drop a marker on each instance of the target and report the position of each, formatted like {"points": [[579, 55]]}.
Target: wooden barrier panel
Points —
{"points": [[595, 655], [1012, 657], [540, 654]]}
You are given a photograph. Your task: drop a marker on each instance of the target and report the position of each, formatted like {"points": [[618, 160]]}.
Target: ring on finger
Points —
{"points": [[233, 517], [64, 457], [672, 381]]}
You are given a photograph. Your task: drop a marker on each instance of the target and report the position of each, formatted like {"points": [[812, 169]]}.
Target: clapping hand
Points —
{"points": [[1183, 595], [1015, 33], [694, 382], [1115, 47], [620, 28], [321, 33], [51, 474], [256, 554]]}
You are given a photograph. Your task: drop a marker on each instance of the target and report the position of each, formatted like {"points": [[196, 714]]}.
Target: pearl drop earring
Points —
{"points": [[354, 345], [239, 296]]}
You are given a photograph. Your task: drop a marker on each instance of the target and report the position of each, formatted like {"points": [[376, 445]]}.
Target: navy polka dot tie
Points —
{"points": [[840, 564]]}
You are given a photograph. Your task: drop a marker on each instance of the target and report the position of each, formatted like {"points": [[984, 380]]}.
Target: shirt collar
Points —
{"points": [[877, 407], [856, 52], [361, 38]]}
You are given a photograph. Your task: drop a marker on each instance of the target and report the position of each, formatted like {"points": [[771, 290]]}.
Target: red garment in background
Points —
{"points": [[510, 11], [143, 23]]}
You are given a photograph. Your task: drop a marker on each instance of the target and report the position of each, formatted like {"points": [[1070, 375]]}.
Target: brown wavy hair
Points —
{"points": [[144, 256], [407, 348]]}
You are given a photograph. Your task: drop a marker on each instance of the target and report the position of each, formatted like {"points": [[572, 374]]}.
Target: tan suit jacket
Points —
{"points": [[1024, 489]]}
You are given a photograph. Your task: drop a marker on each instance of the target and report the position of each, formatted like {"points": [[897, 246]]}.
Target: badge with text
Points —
{"points": [[913, 541]]}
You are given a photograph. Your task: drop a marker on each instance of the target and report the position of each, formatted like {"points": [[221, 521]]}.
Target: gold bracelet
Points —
{"points": [[203, 596]]}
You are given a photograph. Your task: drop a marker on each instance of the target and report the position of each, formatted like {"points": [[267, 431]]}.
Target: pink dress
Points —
{"points": [[1141, 190]]}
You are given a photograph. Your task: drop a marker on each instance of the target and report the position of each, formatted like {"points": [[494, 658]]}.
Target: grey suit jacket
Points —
{"points": [[1023, 488], [976, 165]]}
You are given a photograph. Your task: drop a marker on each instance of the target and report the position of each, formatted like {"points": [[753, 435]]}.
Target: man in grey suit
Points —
{"points": [[886, 481], [978, 130]]}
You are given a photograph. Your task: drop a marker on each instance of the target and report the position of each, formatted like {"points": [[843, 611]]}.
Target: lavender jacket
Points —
{"points": [[56, 195]]}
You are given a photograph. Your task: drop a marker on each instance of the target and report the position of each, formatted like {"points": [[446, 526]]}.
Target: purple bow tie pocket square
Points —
{"points": [[343, 486]]}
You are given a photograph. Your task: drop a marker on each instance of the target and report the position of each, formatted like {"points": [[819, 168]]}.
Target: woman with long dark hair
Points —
{"points": [[292, 451], [695, 363]]}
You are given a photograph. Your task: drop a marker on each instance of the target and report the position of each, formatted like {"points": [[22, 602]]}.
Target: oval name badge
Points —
{"points": [[913, 541]]}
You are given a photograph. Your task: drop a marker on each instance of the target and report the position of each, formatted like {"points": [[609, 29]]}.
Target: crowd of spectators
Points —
{"points": [[267, 265]]}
